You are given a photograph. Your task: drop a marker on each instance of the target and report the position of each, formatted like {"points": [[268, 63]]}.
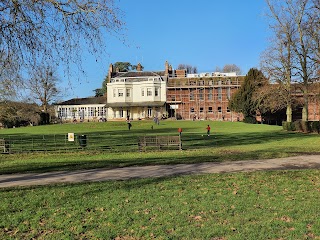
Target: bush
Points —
{"points": [[44, 118], [288, 126], [252, 120], [302, 126], [315, 126]]}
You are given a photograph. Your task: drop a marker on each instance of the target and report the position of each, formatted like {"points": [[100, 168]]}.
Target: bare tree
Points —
{"points": [[277, 65], [188, 68], [218, 69], [42, 86], [228, 68], [47, 30], [314, 31], [315, 27], [293, 16], [10, 79]]}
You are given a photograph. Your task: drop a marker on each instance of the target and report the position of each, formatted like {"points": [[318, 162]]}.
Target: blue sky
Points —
{"points": [[203, 33]]}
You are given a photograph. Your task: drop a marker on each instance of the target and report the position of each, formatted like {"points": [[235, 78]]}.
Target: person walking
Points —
{"points": [[208, 130], [129, 125]]}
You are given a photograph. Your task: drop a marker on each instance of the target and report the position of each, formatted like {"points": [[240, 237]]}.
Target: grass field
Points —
{"points": [[256, 205], [260, 205], [229, 141]]}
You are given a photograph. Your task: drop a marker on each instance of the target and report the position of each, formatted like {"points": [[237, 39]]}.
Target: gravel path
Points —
{"points": [[95, 175]]}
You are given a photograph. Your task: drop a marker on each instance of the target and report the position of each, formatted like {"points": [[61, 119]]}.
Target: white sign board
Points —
{"points": [[71, 137], [174, 106]]}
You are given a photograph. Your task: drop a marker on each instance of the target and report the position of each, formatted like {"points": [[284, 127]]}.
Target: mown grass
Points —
{"points": [[228, 142], [256, 205]]}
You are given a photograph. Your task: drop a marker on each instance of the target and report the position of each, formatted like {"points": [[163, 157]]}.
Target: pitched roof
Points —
{"points": [[84, 101]]}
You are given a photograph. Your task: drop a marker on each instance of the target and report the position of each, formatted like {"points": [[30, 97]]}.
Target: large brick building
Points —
{"points": [[203, 96]]}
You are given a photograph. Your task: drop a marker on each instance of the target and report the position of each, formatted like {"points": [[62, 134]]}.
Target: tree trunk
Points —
{"points": [[305, 113], [305, 106], [289, 113]]}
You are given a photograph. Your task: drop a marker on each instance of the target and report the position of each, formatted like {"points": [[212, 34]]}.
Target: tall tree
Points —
{"points": [[277, 64], [99, 92], [125, 66], [47, 30], [243, 101], [188, 68], [296, 13], [228, 68], [314, 32], [43, 86]]}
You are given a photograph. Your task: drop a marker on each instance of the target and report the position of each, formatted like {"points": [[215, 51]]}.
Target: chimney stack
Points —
{"points": [[139, 67]]}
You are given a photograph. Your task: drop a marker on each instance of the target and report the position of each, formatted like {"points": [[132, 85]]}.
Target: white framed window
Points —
{"points": [[149, 92], [128, 92], [149, 111], [156, 92], [91, 111], [142, 92], [120, 92]]}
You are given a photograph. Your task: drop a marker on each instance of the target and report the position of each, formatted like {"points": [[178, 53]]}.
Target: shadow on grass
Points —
{"points": [[193, 141]]}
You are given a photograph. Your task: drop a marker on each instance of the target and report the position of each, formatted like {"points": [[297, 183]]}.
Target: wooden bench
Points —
{"points": [[159, 143], [4, 146]]}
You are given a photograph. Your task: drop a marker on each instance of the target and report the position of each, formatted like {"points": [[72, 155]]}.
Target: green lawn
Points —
{"points": [[256, 205], [228, 142]]}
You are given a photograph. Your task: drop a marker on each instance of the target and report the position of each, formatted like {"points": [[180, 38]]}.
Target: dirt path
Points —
{"points": [[94, 175]]}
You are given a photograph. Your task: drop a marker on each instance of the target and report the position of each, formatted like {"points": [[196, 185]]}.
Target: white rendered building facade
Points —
{"points": [[82, 109], [136, 95]]}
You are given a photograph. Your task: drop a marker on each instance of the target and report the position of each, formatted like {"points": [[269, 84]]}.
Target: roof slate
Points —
{"points": [[84, 101]]}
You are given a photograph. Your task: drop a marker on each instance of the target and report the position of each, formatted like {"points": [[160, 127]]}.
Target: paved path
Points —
{"points": [[94, 175]]}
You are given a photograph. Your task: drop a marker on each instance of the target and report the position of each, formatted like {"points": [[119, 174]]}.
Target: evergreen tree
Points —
{"points": [[243, 100]]}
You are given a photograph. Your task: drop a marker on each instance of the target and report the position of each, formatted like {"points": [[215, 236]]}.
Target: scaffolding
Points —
{"points": [[203, 97]]}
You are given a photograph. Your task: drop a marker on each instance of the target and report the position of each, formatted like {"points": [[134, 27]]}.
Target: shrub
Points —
{"points": [[288, 126], [302, 126], [315, 126], [248, 119]]}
